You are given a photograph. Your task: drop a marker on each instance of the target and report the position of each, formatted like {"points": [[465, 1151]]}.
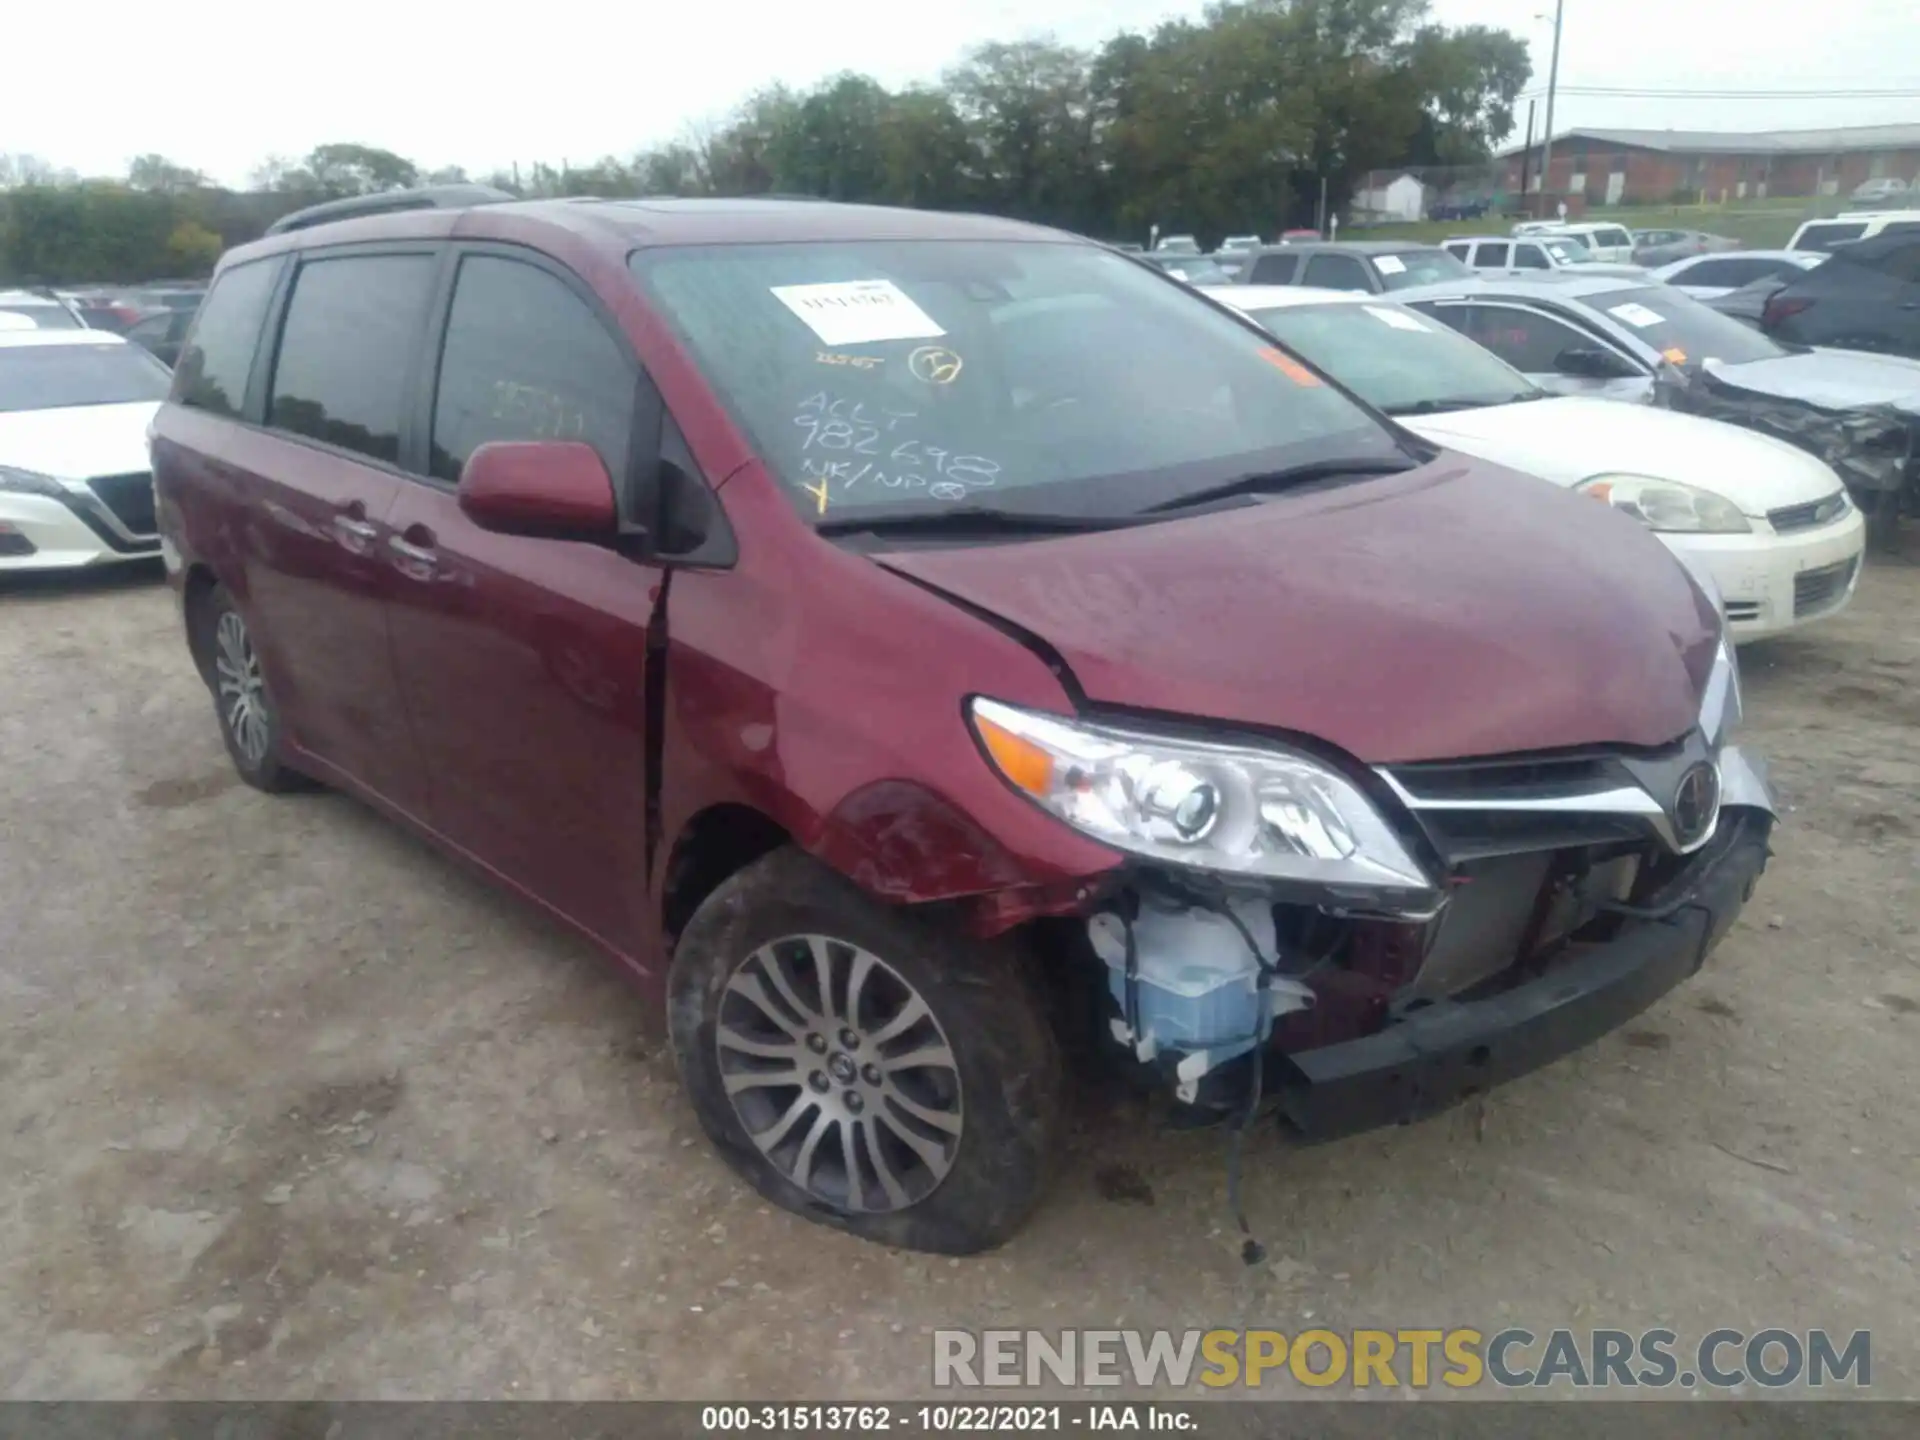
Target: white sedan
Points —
{"points": [[1770, 523], [76, 487], [1706, 277]]}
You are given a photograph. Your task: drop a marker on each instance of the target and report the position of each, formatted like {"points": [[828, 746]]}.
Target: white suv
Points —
{"points": [[1531, 254], [1845, 229]]}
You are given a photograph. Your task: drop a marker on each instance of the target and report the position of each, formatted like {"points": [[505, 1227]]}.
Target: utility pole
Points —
{"points": [[1526, 157], [1553, 83]]}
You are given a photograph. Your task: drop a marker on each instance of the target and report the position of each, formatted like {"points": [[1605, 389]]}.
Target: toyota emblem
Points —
{"points": [[1696, 803]]}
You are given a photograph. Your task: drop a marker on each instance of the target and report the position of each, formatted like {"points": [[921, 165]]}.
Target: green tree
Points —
{"points": [[161, 176], [193, 248]]}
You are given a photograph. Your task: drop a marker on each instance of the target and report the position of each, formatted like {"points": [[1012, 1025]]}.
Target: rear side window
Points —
{"points": [[345, 350], [217, 361], [1494, 252], [1612, 237], [1274, 270], [527, 359], [1525, 339], [1337, 272], [1825, 237], [1735, 270]]}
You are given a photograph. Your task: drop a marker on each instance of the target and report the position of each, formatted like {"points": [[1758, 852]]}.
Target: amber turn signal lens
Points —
{"points": [[1019, 759]]}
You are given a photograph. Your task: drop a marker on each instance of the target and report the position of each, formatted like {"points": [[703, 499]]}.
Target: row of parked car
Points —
{"points": [[154, 316], [928, 650]]}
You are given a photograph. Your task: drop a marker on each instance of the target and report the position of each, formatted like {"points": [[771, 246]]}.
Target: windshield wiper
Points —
{"points": [[966, 520], [1272, 480], [1439, 407]]}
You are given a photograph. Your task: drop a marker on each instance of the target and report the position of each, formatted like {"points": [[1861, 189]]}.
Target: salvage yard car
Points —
{"points": [[899, 637], [74, 483], [1771, 523], [1576, 335]]}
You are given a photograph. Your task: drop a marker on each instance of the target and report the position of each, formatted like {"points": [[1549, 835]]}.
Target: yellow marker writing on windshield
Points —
{"points": [[819, 494]]}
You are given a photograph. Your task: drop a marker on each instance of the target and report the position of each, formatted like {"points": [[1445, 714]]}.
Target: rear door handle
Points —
{"points": [[358, 529], [419, 554]]}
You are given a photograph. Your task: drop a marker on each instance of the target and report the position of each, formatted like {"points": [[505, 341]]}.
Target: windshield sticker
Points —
{"points": [[1398, 319], [858, 362], [858, 312], [935, 364], [1290, 367], [1389, 264], [1635, 314]]}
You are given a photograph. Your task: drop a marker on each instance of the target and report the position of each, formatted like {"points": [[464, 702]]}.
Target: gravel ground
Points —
{"points": [[291, 1106]]}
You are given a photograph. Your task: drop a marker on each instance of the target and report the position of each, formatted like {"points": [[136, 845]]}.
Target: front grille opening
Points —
{"points": [[1789, 518], [130, 498], [1822, 589], [1537, 779]]}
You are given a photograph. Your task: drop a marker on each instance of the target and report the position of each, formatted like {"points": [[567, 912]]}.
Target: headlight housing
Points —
{"points": [[1667, 505], [1264, 813], [29, 482]]}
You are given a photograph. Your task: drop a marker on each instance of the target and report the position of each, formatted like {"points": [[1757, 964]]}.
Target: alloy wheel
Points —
{"points": [[839, 1072], [242, 694]]}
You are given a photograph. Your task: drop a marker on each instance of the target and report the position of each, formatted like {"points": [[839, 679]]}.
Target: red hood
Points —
{"points": [[1457, 611]]}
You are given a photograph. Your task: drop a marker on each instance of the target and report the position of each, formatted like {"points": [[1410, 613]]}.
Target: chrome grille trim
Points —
{"points": [[1789, 518]]}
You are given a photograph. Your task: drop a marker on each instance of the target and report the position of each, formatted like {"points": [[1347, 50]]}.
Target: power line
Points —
{"points": [[1625, 92]]}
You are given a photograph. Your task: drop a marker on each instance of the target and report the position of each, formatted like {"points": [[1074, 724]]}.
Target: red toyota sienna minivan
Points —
{"points": [[921, 647]]}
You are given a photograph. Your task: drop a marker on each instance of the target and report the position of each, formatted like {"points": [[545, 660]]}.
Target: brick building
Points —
{"points": [[1614, 167]]}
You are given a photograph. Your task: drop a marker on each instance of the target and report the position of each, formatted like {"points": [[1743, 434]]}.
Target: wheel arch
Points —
{"points": [[196, 588], [715, 844]]}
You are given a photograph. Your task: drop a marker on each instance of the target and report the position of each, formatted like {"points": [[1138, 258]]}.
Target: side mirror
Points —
{"points": [[558, 489], [1592, 363]]}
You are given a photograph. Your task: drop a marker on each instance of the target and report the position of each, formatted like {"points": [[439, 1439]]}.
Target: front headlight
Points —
{"points": [[29, 482], [1267, 813], [1668, 505]]}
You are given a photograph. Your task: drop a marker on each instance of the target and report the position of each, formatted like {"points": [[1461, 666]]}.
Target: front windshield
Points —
{"points": [[1407, 268], [1397, 360], [1567, 251], [52, 377], [1682, 329], [936, 373]]}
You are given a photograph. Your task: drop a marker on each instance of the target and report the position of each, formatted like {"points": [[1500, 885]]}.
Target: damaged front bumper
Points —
{"points": [[1450, 1050]]}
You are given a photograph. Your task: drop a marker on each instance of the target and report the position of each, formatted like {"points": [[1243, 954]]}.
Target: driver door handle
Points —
{"points": [[359, 529]]}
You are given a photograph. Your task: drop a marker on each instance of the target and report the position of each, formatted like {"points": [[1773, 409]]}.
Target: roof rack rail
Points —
{"points": [[387, 202]]}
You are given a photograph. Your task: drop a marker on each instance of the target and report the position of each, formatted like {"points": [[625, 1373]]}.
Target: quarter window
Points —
{"points": [[217, 360], [346, 350], [1337, 272], [527, 359]]}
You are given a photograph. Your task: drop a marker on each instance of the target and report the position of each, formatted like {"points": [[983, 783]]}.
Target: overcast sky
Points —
{"points": [[225, 82]]}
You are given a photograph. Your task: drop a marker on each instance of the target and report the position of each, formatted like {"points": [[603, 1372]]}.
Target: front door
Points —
{"points": [[523, 660], [321, 480]]}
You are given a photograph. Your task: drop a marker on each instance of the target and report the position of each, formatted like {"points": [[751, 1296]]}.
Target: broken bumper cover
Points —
{"points": [[1445, 1053]]}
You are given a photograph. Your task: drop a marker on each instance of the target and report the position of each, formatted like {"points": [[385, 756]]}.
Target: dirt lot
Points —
{"points": [[291, 1106]]}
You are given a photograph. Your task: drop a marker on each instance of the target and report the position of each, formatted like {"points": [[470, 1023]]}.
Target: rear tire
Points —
{"points": [[860, 1066], [242, 705]]}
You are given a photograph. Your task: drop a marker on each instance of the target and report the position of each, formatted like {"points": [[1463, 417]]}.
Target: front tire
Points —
{"points": [[242, 705], [861, 1067]]}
